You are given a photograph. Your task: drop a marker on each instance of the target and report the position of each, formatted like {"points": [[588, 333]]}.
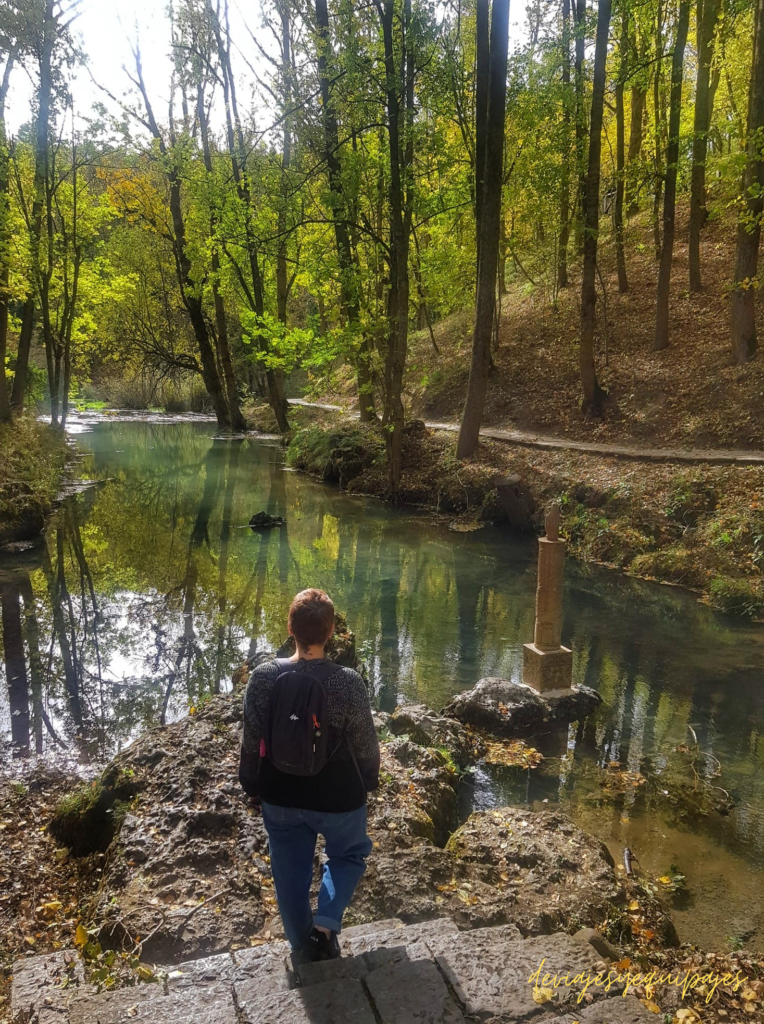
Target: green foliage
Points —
{"points": [[338, 454], [32, 461], [737, 596]]}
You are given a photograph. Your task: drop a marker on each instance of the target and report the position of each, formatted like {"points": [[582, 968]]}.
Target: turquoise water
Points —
{"points": [[150, 590]]}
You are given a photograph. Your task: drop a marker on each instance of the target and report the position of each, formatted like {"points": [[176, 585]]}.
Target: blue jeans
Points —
{"points": [[292, 835]]}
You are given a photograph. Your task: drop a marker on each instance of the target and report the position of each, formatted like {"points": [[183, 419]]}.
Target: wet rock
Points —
{"points": [[508, 709], [517, 501], [265, 521], [429, 729]]}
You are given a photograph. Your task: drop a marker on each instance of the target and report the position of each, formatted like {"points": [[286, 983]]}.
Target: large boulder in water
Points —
{"points": [[508, 709]]}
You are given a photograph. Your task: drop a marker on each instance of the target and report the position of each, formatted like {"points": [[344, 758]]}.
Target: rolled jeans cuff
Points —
{"points": [[327, 922]]}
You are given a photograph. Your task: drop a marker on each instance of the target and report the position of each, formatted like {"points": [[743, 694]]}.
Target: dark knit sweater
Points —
{"points": [[340, 786]]}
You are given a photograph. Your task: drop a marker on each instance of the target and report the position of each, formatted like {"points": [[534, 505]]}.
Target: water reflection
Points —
{"points": [[150, 590]]}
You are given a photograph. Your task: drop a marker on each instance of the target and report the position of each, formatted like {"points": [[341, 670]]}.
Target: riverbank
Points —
{"points": [[700, 527], [182, 870], [33, 460]]}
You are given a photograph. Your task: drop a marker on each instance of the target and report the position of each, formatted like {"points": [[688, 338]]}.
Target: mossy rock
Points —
{"points": [[87, 820]]}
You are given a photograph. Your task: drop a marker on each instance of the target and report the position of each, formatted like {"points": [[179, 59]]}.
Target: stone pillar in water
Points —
{"points": [[547, 665]]}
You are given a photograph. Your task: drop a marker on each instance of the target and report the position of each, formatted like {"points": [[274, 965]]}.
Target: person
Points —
{"points": [[297, 803]]}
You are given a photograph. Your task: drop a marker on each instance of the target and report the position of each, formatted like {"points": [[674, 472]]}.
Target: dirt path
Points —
{"points": [[719, 456]]}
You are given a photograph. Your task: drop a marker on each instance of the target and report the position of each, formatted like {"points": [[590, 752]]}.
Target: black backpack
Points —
{"points": [[297, 728]]}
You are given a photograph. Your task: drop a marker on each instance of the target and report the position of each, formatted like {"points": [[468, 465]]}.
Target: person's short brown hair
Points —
{"points": [[311, 617]]}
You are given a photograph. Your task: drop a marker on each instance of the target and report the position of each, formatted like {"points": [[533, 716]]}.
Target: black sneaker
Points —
{"points": [[322, 946]]}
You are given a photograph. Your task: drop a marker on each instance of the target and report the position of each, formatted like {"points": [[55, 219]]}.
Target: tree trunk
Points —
{"points": [[5, 405], [485, 302], [401, 159], [18, 392], [579, 13], [5, 235], [620, 152], [594, 395], [349, 270], [482, 50], [744, 339], [708, 12], [637, 102], [672, 161], [562, 251], [503, 246], [659, 173], [225, 371]]}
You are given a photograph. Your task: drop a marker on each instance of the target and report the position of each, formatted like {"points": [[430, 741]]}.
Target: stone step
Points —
{"points": [[325, 1003], [390, 973], [412, 992]]}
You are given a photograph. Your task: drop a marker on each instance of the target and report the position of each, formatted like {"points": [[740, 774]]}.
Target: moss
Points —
{"points": [[337, 454], [675, 564], [86, 820]]}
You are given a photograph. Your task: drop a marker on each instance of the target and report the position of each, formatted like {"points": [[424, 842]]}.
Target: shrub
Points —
{"points": [[736, 596]]}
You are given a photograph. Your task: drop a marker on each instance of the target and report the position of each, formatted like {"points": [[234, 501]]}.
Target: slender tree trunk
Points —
{"points": [[672, 161], [5, 234], [564, 239], [485, 302], [637, 103], [482, 50], [399, 95], [238, 422], [225, 362], [18, 392], [594, 395], [708, 12], [579, 13], [620, 151], [349, 270], [744, 339], [659, 172], [503, 246]]}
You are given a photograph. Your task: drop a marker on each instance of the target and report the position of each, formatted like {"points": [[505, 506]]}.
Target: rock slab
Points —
{"points": [[508, 709]]}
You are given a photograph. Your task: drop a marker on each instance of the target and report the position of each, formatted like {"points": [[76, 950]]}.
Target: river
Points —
{"points": [[151, 589]]}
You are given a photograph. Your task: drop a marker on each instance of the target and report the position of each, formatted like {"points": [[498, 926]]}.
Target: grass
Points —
{"points": [[33, 458]]}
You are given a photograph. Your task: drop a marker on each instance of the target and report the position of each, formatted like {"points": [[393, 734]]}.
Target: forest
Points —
{"points": [[299, 202]]}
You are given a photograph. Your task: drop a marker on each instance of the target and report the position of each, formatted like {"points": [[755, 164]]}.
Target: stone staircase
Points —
{"points": [[390, 973]]}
